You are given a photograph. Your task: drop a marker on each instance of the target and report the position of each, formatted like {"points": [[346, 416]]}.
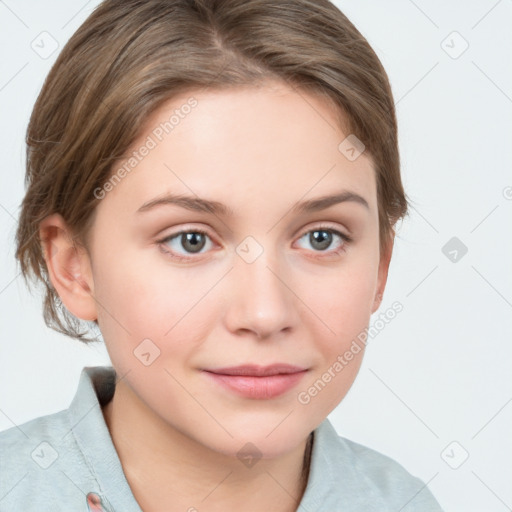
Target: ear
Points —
{"points": [[69, 267], [385, 259]]}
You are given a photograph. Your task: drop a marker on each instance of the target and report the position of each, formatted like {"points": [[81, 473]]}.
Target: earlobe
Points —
{"points": [[68, 267], [383, 273], [376, 302]]}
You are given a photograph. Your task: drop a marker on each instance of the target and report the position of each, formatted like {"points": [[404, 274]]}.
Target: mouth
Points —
{"points": [[258, 382], [252, 370]]}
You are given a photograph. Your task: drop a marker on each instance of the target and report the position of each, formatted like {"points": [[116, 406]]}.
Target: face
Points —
{"points": [[179, 290]]}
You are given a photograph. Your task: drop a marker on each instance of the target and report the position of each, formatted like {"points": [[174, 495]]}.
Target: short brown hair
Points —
{"points": [[131, 56]]}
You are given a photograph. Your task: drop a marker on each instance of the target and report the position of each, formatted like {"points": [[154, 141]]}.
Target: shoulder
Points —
{"points": [[23, 445], [388, 480], [59, 461], [361, 478], [39, 460]]}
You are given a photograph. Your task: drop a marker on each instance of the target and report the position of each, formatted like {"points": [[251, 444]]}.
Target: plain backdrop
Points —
{"points": [[434, 391]]}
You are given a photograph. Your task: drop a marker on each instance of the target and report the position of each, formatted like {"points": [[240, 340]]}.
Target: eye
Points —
{"points": [[322, 237], [192, 241]]}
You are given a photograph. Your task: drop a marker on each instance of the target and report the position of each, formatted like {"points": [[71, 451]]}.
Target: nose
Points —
{"points": [[261, 298]]}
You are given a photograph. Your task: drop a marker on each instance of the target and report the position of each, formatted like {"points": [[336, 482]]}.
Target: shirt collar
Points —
{"points": [[96, 388]]}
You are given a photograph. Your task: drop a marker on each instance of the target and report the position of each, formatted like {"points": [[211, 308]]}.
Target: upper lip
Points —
{"points": [[258, 371]]}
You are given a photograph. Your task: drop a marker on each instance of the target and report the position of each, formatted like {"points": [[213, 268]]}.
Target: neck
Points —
{"points": [[167, 469]]}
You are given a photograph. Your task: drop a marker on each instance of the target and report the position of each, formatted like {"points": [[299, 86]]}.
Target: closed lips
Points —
{"points": [[258, 371]]}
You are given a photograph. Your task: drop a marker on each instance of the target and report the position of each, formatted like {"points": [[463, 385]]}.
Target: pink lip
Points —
{"points": [[258, 382]]}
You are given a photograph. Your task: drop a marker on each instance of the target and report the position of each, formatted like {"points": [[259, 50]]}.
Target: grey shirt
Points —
{"points": [[67, 462]]}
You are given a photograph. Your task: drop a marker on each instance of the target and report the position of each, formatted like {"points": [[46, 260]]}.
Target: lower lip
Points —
{"points": [[259, 388]]}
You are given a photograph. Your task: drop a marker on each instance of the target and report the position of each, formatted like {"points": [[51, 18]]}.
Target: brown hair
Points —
{"points": [[131, 56]]}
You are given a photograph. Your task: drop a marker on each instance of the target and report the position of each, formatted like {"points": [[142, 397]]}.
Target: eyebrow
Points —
{"points": [[198, 204]]}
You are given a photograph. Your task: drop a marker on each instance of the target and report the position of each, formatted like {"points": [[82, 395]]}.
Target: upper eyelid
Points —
{"points": [[322, 226], [328, 225]]}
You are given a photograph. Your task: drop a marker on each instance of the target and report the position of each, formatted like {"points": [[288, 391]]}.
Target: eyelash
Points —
{"points": [[346, 240]]}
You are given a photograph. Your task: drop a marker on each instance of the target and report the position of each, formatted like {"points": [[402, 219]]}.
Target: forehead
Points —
{"points": [[242, 146]]}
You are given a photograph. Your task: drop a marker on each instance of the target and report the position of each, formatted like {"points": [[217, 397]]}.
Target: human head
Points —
{"points": [[129, 57]]}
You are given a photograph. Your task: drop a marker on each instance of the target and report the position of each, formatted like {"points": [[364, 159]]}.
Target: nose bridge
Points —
{"points": [[261, 301]]}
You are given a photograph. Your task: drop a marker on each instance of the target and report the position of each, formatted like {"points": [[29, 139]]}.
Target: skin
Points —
{"points": [[259, 151]]}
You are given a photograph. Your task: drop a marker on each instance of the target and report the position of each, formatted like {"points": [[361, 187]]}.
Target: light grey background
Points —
{"points": [[435, 383]]}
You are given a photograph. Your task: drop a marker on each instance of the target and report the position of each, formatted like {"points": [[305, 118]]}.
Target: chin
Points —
{"points": [[258, 444]]}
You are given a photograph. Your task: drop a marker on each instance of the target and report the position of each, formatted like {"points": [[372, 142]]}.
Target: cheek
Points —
{"points": [[343, 304], [343, 301], [144, 301]]}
